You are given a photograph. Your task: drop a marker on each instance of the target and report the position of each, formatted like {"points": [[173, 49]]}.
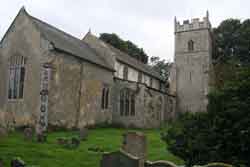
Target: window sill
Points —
{"points": [[15, 100]]}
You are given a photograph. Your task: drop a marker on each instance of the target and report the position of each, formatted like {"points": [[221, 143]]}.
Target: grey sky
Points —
{"points": [[148, 23]]}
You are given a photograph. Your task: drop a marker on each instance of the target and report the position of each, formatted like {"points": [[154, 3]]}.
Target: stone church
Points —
{"points": [[50, 78]]}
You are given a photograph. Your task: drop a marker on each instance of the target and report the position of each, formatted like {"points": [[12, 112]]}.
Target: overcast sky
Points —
{"points": [[148, 23]]}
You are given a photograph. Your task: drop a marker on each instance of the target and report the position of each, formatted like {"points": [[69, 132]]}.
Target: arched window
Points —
{"points": [[127, 102], [190, 45], [122, 103], [16, 77], [132, 107], [105, 98]]}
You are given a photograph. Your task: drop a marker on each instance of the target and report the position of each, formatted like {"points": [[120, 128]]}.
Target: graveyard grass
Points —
{"points": [[51, 154]]}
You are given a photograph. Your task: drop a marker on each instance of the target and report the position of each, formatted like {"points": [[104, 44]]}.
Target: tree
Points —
{"points": [[126, 46], [232, 40], [222, 133], [161, 66]]}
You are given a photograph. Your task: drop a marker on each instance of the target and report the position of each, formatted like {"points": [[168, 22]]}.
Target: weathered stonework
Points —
{"points": [[190, 73], [68, 92], [149, 109]]}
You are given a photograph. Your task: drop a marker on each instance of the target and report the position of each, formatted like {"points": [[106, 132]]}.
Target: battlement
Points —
{"points": [[194, 24]]}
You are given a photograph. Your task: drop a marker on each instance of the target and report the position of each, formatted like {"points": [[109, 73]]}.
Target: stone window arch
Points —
{"points": [[122, 103], [190, 45], [127, 102], [16, 76], [105, 98]]}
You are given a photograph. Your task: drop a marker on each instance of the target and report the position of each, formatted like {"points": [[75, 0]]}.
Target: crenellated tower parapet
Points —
{"points": [[194, 24]]}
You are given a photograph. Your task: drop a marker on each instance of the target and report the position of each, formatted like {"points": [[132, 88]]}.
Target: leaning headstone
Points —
{"points": [[83, 133], [135, 144], [28, 133]]}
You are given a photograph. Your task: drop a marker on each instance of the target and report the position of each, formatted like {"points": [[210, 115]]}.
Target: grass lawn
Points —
{"points": [[50, 154]]}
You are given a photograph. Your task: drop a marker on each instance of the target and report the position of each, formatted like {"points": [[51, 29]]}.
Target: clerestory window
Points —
{"points": [[16, 77]]}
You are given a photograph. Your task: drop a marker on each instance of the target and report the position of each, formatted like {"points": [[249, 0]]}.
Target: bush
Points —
{"points": [[220, 135]]}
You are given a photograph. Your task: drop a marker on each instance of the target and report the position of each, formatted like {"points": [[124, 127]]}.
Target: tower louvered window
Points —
{"points": [[16, 77]]}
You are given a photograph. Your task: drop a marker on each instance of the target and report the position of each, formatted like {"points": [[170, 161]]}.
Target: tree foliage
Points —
{"points": [[161, 66], [223, 133], [232, 39], [125, 46]]}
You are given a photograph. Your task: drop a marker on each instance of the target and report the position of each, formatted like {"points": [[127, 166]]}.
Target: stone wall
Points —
{"points": [[150, 105], [76, 92], [22, 39]]}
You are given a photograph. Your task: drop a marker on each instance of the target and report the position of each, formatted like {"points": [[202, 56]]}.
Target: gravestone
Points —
{"points": [[41, 135], [3, 132], [135, 143], [119, 159], [1, 162], [83, 133], [28, 133]]}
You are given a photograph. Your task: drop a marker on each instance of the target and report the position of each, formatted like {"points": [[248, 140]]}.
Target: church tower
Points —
{"points": [[193, 55]]}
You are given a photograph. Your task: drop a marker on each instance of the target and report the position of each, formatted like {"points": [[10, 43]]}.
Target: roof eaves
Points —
{"points": [[64, 51]]}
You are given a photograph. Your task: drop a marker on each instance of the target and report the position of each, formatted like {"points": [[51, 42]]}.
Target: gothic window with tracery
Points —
{"points": [[127, 102], [16, 77]]}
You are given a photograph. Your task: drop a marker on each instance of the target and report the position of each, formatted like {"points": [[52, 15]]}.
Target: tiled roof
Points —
{"points": [[69, 44], [124, 58]]}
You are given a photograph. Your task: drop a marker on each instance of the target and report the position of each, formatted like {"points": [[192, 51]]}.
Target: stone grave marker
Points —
{"points": [[3, 132], [1, 162], [83, 133], [28, 133], [135, 143]]}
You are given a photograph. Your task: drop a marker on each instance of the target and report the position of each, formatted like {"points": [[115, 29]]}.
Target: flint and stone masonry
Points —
{"points": [[50, 78]]}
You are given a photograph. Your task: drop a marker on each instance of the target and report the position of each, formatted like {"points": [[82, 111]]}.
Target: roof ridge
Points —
{"points": [[65, 33], [78, 42], [148, 67], [130, 57]]}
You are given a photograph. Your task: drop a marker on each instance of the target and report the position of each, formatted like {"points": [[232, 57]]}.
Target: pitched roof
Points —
{"points": [[69, 44], [125, 58]]}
